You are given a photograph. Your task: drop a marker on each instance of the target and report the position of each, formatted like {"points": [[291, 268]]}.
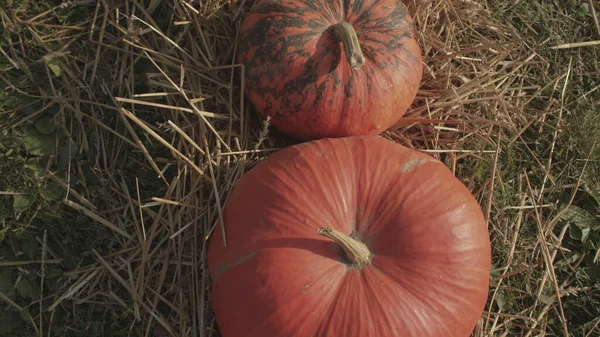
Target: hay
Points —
{"points": [[175, 89]]}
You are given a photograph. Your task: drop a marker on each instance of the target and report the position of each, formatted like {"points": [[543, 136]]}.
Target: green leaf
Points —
{"points": [[54, 272], [37, 165], [592, 244], [579, 216], [585, 234], [6, 211], [546, 299], [529, 288], [53, 62], [5, 280], [37, 143], [581, 222], [52, 192], [59, 317], [503, 300], [90, 177], [34, 164], [9, 320], [45, 126], [22, 202], [29, 248], [66, 155], [25, 289], [575, 233], [593, 269], [595, 194], [572, 258], [6, 34], [24, 313], [578, 233], [482, 171], [69, 262], [9, 102]]}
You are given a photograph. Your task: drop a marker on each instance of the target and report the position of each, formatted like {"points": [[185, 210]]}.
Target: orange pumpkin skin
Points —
{"points": [[298, 73], [429, 274]]}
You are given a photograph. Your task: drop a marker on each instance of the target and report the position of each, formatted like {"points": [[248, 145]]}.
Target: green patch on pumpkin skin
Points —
{"points": [[219, 271]]}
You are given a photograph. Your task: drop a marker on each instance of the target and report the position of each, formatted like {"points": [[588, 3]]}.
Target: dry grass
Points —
{"points": [[155, 84]]}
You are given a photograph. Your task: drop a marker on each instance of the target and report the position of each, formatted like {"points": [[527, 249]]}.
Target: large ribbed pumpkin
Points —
{"points": [[330, 68], [350, 237]]}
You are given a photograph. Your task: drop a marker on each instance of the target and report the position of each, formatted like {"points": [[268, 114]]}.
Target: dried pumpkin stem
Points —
{"points": [[356, 251], [345, 33]]}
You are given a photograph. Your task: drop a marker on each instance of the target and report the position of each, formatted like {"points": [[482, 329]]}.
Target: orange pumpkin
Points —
{"points": [[323, 68], [350, 237]]}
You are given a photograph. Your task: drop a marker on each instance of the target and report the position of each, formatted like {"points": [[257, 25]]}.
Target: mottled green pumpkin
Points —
{"points": [[326, 68]]}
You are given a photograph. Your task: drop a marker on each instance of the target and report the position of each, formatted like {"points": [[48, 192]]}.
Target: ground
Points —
{"points": [[124, 127]]}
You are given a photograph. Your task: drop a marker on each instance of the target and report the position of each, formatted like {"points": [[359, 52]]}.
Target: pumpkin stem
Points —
{"points": [[356, 251], [345, 33]]}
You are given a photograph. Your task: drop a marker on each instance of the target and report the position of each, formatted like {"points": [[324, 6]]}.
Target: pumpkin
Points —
{"points": [[354, 236], [323, 68]]}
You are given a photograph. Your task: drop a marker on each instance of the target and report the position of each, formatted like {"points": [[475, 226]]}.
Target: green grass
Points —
{"points": [[59, 128], [42, 137], [564, 140]]}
